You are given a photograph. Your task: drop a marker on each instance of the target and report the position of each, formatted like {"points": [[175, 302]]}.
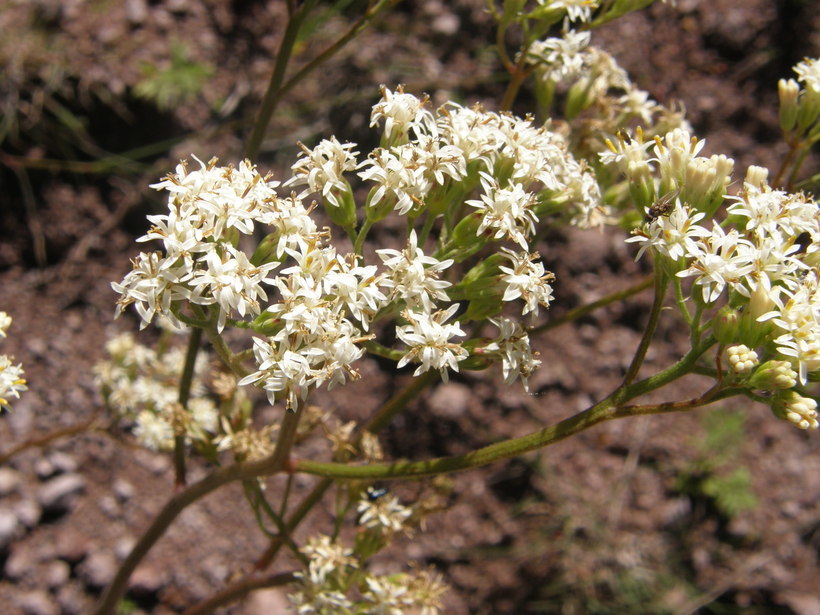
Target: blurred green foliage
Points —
{"points": [[181, 81]]}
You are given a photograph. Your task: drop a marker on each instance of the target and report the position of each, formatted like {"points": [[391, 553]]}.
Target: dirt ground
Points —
{"points": [[617, 520]]}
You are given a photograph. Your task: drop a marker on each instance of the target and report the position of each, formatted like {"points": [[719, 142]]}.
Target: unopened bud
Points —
{"points": [[788, 90], [726, 325], [774, 375], [741, 359], [799, 410]]}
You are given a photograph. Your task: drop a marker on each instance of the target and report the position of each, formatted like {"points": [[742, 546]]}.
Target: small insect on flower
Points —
{"points": [[374, 494], [662, 206]]}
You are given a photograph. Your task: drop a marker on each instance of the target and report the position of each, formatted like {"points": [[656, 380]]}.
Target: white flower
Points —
{"points": [[401, 113], [154, 432], [513, 347], [153, 285], [11, 381], [527, 279], [230, 281], [576, 9], [507, 212], [323, 168], [562, 58], [394, 180], [412, 276], [673, 234], [721, 258], [385, 513], [5, 323], [808, 71], [428, 341]]}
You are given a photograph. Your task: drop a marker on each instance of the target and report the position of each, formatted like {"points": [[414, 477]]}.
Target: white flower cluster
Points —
{"points": [[596, 82], [766, 253], [12, 382], [207, 209], [322, 303], [142, 385], [336, 579]]}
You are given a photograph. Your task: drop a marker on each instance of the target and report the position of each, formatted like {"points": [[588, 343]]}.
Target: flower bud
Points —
{"points": [[343, 215], [808, 110], [756, 177], [792, 407], [464, 242], [774, 375], [726, 325], [788, 90], [742, 360], [382, 209], [578, 98], [266, 251]]}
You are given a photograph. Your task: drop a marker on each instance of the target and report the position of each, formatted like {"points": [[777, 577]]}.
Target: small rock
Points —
{"points": [[57, 495], [123, 546], [9, 481], [21, 561], [63, 462], [147, 580], [123, 489], [800, 603], [38, 602], [9, 528], [73, 600], [56, 574], [136, 11], [108, 504], [450, 400], [43, 468], [28, 512], [265, 601], [98, 569], [71, 546]]}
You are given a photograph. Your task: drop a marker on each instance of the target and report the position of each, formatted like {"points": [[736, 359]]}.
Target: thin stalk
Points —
{"points": [[651, 326], [378, 422], [185, 381], [357, 246], [273, 93], [240, 588], [175, 505], [606, 410], [583, 310]]}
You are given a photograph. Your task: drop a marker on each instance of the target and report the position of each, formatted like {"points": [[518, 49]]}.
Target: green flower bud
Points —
{"points": [[267, 323], [464, 242], [788, 90], [379, 211], [774, 375], [741, 359], [345, 214], [578, 98], [726, 325], [266, 250]]}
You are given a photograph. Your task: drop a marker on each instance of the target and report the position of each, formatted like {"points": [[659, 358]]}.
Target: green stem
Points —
{"points": [[274, 91], [606, 410], [651, 326], [179, 502], [240, 588], [357, 247], [378, 422], [185, 381]]}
